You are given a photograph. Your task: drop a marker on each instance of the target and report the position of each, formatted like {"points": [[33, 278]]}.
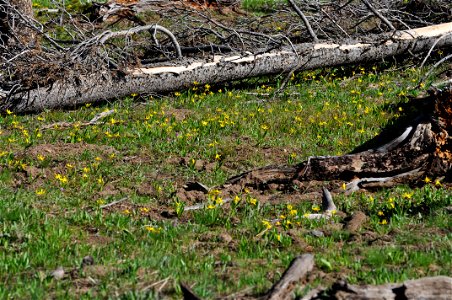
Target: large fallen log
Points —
{"points": [[181, 74]]}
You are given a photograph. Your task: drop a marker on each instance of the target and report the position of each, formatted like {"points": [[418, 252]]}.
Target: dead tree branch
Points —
{"points": [[378, 14], [305, 20]]}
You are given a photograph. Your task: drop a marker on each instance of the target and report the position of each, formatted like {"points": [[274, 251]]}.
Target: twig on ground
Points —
{"points": [[113, 203], [94, 121]]}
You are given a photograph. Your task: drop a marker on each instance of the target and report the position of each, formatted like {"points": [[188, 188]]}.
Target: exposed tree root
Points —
{"points": [[423, 149]]}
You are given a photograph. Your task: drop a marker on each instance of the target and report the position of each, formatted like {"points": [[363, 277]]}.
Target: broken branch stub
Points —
{"points": [[297, 270]]}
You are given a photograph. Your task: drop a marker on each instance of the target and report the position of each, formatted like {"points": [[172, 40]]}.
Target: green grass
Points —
{"points": [[53, 182]]}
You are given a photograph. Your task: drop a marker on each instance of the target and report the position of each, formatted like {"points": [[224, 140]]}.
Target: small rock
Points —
{"points": [[87, 261], [58, 273], [316, 233]]}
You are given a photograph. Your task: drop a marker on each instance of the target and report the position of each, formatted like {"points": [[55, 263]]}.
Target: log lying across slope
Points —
{"points": [[182, 73]]}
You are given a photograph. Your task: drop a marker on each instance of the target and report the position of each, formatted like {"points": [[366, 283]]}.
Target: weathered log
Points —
{"points": [[424, 148], [297, 270], [102, 86], [439, 287]]}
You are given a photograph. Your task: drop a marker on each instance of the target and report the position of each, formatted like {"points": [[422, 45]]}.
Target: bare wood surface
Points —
{"points": [[96, 87], [304, 19], [378, 14], [297, 270], [431, 288]]}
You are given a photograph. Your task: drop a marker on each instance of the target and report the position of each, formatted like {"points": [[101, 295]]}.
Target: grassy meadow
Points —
{"points": [[58, 174]]}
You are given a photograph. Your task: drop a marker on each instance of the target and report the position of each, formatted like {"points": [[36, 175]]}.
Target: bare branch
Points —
{"points": [[378, 14], [305, 20]]}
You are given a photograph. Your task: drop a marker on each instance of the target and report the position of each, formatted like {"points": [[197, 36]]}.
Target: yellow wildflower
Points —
{"points": [[219, 201], [40, 192], [144, 210], [267, 224], [152, 229], [407, 195]]}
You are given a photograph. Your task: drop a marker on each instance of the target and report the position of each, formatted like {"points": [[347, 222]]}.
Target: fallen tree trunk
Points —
{"points": [[181, 74]]}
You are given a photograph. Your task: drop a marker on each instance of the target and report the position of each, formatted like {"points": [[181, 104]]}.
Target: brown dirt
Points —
{"points": [[179, 114], [146, 189], [356, 221], [98, 240], [60, 151]]}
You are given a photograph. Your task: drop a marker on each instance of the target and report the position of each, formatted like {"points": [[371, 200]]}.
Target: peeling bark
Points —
{"points": [[166, 78]]}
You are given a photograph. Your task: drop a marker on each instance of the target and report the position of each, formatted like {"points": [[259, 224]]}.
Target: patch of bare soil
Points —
{"points": [[98, 240], [146, 189], [59, 151], [246, 152], [191, 197], [179, 114], [135, 210]]}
